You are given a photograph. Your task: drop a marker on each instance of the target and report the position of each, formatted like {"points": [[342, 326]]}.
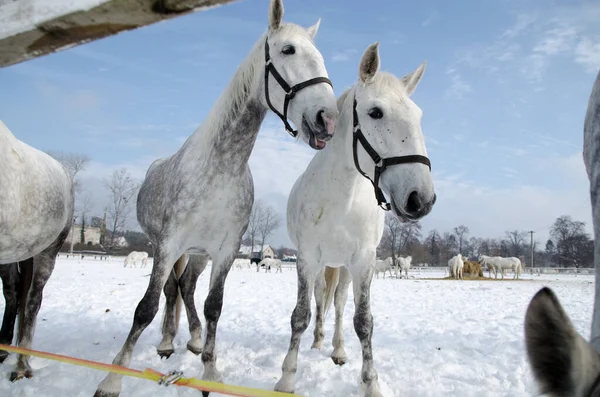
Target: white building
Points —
{"points": [[267, 252]]}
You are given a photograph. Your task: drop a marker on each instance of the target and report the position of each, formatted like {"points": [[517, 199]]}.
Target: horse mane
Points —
{"points": [[235, 96]]}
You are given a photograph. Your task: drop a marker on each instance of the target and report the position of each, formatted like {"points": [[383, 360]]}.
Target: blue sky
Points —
{"points": [[504, 97]]}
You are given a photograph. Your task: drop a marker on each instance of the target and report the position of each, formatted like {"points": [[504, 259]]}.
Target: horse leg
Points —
{"points": [[341, 296], [169, 327], [35, 274], [299, 323], [363, 326], [213, 305], [10, 288], [144, 314], [319, 334], [187, 284]]}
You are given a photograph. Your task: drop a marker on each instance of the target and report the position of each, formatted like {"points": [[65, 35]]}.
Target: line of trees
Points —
{"points": [[569, 244]]}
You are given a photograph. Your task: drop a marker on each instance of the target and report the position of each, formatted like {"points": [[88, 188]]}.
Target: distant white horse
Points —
{"points": [[198, 201], [500, 264], [335, 222], [383, 266], [490, 264], [270, 262], [404, 264], [135, 256], [455, 266], [510, 263], [563, 363], [240, 263], [36, 213]]}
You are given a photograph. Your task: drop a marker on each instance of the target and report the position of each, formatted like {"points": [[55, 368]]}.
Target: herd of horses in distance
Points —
{"points": [[370, 157]]}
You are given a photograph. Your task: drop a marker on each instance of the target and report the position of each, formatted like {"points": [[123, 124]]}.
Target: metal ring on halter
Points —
{"points": [[170, 378]]}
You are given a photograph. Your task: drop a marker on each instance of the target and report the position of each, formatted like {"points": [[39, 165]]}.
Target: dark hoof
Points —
{"points": [[339, 360], [3, 356], [205, 393], [165, 353], [16, 376], [100, 393], [195, 350]]}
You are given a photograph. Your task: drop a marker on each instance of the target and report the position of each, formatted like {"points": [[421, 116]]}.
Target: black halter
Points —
{"points": [[290, 92], [380, 164]]}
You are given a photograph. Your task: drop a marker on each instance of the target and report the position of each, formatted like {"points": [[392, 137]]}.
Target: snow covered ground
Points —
{"points": [[431, 337]]}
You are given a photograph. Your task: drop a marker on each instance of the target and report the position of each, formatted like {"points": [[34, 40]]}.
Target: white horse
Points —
{"points": [[510, 263], [562, 362], [404, 264], [240, 263], [270, 262], [455, 266], [135, 256], [383, 266], [489, 263], [198, 201], [36, 213], [335, 221]]}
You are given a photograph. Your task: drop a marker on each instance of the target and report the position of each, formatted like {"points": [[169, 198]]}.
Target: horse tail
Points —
{"points": [[332, 277], [26, 277], [179, 267]]}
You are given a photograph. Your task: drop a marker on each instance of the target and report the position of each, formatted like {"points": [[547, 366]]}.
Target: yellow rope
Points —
{"points": [[150, 374]]}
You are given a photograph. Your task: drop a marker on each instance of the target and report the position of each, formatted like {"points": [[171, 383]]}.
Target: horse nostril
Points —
{"points": [[320, 121], [414, 204]]}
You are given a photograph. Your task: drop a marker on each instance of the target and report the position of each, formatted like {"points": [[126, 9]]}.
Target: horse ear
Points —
{"points": [[560, 359], [275, 14], [312, 31], [369, 64], [411, 80]]}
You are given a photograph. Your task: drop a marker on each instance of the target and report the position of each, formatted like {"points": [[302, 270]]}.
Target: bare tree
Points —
{"points": [[74, 163], [460, 232], [515, 240], [254, 223], [122, 189], [398, 236], [269, 222]]}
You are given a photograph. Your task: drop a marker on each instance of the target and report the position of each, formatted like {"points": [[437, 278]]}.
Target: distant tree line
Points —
{"points": [[569, 244]]}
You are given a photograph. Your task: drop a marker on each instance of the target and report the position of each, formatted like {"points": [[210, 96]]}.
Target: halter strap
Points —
{"points": [[290, 92], [380, 163]]}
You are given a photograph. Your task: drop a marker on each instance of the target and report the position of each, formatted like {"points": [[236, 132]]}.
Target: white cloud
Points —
{"points": [[432, 17], [458, 87], [587, 53], [488, 211], [345, 55]]}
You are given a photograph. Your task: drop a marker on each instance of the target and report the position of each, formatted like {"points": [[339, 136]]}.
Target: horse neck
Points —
{"points": [[340, 155], [229, 132]]}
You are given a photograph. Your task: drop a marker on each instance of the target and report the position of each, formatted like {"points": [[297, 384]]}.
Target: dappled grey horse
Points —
{"points": [[562, 361], [197, 202], [36, 211]]}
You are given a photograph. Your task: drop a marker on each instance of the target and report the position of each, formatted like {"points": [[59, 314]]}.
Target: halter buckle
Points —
{"points": [[170, 378]]}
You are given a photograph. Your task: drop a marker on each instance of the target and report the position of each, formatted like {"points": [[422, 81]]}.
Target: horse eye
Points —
{"points": [[376, 113], [288, 50]]}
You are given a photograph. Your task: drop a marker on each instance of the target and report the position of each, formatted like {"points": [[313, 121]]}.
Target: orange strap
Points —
{"points": [[153, 375]]}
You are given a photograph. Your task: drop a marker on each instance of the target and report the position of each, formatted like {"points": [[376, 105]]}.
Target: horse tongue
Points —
{"points": [[316, 143]]}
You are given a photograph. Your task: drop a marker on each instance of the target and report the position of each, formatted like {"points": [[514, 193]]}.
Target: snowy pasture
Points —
{"points": [[431, 337]]}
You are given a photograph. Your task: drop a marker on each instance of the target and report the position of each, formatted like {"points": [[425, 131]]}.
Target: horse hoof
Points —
{"points": [[196, 350], [339, 360], [100, 393], [165, 353], [16, 376], [317, 345], [3, 356], [205, 393]]}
